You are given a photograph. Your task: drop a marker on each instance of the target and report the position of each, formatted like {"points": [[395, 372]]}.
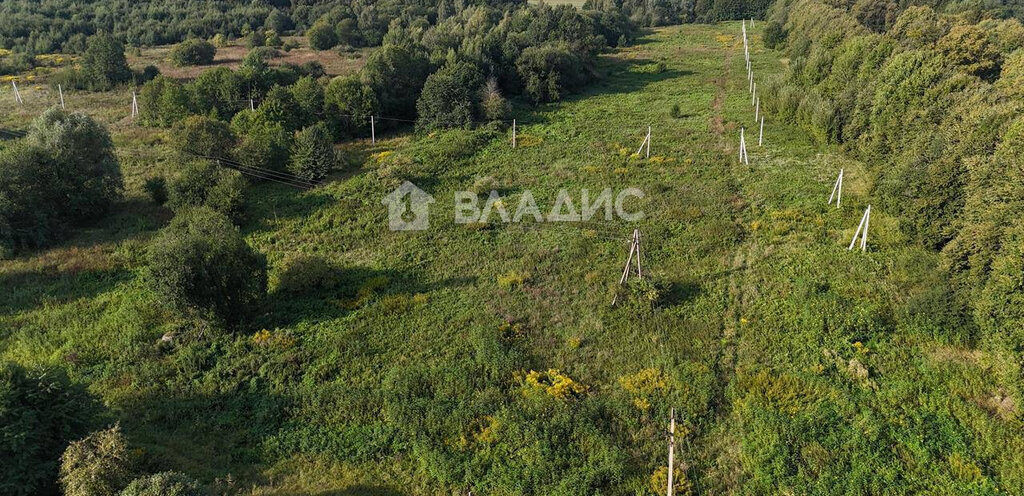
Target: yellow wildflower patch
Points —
{"points": [[554, 383], [267, 339], [513, 279]]}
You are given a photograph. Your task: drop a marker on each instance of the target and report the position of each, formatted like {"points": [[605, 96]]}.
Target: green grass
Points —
{"points": [[766, 332]]}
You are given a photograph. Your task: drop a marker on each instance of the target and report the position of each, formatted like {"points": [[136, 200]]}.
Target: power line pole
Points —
{"points": [[671, 453], [634, 249], [837, 189], [865, 221], [17, 94]]}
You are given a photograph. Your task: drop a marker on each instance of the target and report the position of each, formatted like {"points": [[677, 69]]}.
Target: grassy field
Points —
{"points": [[796, 366]]}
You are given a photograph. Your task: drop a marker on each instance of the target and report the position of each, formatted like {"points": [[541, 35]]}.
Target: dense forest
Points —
{"points": [[932, 102], [39, 27]]}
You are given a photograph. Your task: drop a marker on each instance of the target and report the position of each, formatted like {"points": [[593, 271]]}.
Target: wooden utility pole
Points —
{"points": [[648, 153], [513, 133], [744, 158], [373, 131], [646, 143], [17, 94], [135, 105], [837, 190], [865, 221], [671, 453], [634, 250], [60, 90]]}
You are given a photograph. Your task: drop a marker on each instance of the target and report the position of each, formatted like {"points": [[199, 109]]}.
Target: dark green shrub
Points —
{"points": [[309, 97], [396, 72], [255, 69], [63, 172], [99, 465], [321, 36], [163, 102], [156, 188], [41, 412], [313, 153], [219, 93], [104, 65], [1000, 306], [199, 136], [256, 39], [204, 183], [549, 71], [147, 74], [164, 484], [261, 143], [89, 179], [449, 97], [280, 106], [675, 112], [200, 265], [278, 22], [349, 103], [313, 68], [193, 52]]}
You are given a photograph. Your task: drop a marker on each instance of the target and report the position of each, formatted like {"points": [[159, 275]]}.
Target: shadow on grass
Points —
{"points": [[306, 294], [227, 431], [28, 289], [204, 435], [363, 490], [681, 292]]}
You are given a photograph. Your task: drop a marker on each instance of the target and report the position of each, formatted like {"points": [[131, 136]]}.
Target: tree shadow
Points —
{"points": [[224, 434], [680, 293], [269, 203], [315, 291], [204, 435], [27, 289], [363, 490]]}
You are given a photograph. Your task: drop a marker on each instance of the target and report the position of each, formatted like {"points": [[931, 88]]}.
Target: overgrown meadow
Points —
{"points": [[488, 357]]}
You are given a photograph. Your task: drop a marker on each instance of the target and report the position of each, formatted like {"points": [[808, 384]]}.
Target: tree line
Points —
{"points": [[932, 103], [63, 26]]}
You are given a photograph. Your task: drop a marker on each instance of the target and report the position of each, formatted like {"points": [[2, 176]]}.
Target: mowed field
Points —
{"points": [[794, 365]]}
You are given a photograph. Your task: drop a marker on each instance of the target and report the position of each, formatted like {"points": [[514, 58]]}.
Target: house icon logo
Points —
{"points": [[408, 216]]}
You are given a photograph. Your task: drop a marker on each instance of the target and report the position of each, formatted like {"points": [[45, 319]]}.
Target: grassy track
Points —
{"points": [[796, 365]]}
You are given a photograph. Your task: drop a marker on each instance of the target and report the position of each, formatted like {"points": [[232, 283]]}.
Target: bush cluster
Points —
{"points": [[201, 266], [62, 173], [193, 52], [41, 412]]}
